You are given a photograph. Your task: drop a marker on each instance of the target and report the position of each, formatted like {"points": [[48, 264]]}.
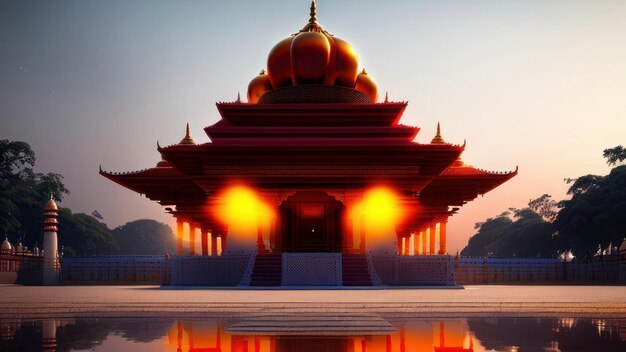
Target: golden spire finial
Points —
{"points": [[313, 26], [386, 97], [313, 18], [438, 139], [187, 139]]}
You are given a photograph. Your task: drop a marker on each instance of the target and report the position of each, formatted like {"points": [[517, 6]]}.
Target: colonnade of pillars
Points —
{"points": [[210, 243], [425, 241]]}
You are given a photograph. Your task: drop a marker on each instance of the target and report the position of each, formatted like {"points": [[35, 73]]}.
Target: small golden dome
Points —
{"points": [[163, 163], [187, 139], [367, 85], [259, 85], [438, 139], [51, 205], [6, 245]]}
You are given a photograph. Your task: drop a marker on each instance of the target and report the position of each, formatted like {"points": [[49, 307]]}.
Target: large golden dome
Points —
{"points": [[312, 57]]}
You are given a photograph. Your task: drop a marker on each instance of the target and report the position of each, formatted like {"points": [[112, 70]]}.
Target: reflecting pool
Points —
{"points": [[332, 333]]}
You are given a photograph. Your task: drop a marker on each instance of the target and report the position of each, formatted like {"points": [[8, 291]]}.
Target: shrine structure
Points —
{"points": [[312, 181]]}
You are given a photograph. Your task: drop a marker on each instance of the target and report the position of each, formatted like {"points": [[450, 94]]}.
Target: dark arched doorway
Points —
{"points": [[311, 221]]}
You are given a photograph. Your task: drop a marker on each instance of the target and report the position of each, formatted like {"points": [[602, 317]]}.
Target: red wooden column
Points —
{"points": [[205, 240], [432, 230], [179, 236], [259, 236], [407, 245], [362, 234], [214, 242], [192, 239], [423, 235], [442, 237], [273, 233]]}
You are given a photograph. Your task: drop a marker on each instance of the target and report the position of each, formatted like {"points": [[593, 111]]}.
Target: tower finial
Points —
{"points": [[187, 139], [238, 97], [438, 139], [313, 18], [386, 97]]}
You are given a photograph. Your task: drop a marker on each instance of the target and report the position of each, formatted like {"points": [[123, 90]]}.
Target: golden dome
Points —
{"points": [[437, 139], [259, 85], [279, 64], [312, 57], [187, 139], [163, 163], [366, 84], [6, 245], [51, 205]]}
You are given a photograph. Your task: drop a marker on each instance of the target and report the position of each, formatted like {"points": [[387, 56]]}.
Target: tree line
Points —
{"points": [[23, 194], [591, 221]]}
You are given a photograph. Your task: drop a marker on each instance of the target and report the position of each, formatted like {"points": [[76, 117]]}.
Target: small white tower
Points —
{"points": [[50, 245]]}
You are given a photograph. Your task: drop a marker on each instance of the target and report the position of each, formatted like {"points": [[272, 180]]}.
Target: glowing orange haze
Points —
{"points": [[243, 210], [381, 212]]}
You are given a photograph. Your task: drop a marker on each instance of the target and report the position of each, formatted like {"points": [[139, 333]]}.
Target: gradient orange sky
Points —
{"points": [[539, 84]]}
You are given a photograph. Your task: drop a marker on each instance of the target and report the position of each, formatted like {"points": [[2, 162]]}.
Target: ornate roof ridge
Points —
{"points": [[449, 172], [135, 172], [444, 144]]}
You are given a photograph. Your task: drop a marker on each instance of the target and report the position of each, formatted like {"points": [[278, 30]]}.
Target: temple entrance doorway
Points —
{"points": [[311, 221]]}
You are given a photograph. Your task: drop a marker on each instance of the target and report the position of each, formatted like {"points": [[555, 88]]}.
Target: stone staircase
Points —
{"points": [[267, 270], [355, 270]]}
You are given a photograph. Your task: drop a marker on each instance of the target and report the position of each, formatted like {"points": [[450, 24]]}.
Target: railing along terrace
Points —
{"points": [[533, 270], [116, 269]]}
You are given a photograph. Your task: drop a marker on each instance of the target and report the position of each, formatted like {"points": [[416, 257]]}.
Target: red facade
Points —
{"points": [[311, 151]]}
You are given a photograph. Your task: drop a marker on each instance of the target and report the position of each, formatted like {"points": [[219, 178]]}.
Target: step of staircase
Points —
{"points": [[355, 270], [267, 270]]}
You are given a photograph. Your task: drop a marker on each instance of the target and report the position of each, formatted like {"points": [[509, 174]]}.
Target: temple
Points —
{"points": [[313, 166]]}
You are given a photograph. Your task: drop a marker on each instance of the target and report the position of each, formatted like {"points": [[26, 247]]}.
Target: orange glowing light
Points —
{"points": [[243, 211], [380, 212]]}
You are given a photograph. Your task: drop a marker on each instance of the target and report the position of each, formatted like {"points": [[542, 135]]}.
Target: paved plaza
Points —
{"points": [[152, 301]]}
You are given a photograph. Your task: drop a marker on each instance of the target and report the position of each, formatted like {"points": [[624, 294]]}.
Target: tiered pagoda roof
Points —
{"points": [[321, 129]]}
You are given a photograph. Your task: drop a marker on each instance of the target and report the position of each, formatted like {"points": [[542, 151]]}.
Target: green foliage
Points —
{"points": [[82, 234], [594, 216], [147, 237], [23, 192], [615, 155], [528, 234], [596, 213]]}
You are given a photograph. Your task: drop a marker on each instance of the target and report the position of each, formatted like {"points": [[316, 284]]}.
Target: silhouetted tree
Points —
{"points": [[615, 155], [147, 237]]}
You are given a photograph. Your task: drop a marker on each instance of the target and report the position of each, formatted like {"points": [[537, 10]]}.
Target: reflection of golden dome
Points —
{"points": [[313, 56], [259, 85], [367, 85]]}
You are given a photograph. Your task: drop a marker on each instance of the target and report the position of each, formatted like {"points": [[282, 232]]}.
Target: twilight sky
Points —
{"points": [[535, 83]]}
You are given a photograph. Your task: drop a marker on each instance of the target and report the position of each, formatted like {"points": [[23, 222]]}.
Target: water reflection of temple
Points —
{"points": [[406, 335], [421, 335]]}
